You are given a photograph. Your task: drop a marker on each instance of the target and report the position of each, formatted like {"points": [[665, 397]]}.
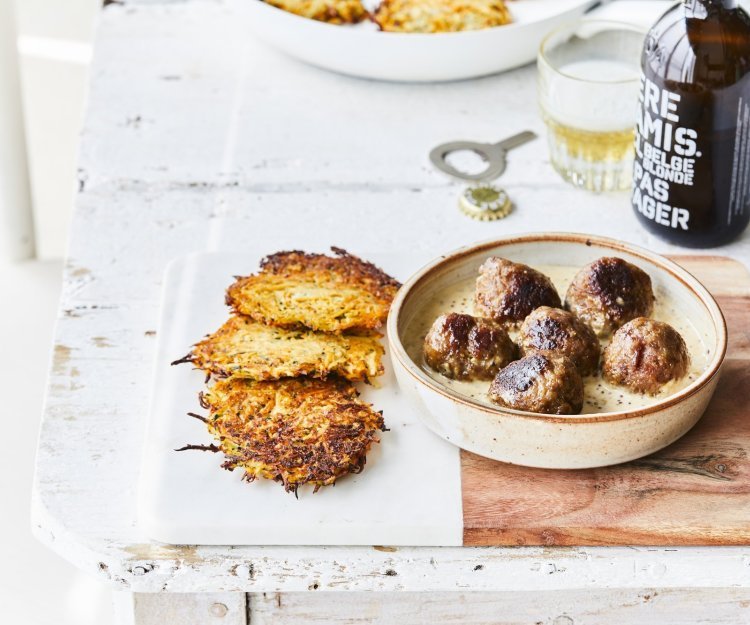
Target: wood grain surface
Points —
{"points": [[694, 492], [645, 606]]}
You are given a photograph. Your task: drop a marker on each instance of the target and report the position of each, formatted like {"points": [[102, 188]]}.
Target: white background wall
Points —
{"points": [[36, 586], [55, 38]]}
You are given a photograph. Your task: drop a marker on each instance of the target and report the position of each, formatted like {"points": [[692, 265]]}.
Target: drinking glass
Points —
{"points": [[589, 74]]}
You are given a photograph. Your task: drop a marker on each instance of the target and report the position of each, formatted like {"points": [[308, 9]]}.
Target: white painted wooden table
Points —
{"points": [[198, 138]]}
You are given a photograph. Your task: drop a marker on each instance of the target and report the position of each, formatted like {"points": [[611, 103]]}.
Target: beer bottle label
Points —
{"points": [[692, 167]]}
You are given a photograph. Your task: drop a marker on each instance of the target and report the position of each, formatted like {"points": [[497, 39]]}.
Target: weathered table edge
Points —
{"points": [[151, 567]]}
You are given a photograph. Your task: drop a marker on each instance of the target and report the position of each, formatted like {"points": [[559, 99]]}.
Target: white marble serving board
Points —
{"points": [[408, 494]]}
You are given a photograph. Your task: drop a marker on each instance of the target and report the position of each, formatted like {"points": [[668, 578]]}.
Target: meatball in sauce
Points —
{"points": [[507, 292], [608, 293], [600, 396], [561, 333], [464, 347], [644, 355], [539, 383]]}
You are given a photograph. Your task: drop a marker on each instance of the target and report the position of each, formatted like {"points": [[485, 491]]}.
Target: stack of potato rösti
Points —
{"points": [[283, 404]]}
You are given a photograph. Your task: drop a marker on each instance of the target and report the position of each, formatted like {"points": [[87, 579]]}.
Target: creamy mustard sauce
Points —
{"points": [[599, 395]]}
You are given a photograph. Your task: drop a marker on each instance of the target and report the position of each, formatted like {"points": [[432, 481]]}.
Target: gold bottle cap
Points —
{"points": [[485, 202]]}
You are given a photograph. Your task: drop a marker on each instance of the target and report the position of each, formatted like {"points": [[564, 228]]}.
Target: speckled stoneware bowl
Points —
{"points": [[558, 442]]}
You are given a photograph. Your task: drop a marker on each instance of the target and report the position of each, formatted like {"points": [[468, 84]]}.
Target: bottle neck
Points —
{"points": [[701, 8]]}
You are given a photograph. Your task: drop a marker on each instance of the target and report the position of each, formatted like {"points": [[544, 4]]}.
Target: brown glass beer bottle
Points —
{"points": [[691, 176]]}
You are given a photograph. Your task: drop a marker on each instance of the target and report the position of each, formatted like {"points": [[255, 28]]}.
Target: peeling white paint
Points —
{"points": [[319, 159]]}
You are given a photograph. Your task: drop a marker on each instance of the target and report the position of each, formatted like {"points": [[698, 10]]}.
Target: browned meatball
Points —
{"points": [[608, 293], [562, 333], [644, 355], [467, 348], [508, 292], [540, 382]]}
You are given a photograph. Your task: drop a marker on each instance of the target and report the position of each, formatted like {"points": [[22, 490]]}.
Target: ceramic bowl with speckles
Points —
{"points": [[598, 438]]}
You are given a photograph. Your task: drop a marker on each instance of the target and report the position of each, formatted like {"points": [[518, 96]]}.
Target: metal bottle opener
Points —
{"points": [[494, 154]]}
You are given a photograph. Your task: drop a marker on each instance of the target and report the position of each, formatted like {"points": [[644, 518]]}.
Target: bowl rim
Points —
{"points": [[398, 352], [456, 35]]}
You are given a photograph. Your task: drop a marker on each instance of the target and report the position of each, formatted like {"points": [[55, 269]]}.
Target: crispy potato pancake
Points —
{"points": [[247, 349], [331, 11], [295, 431], [440, 16], [324, 293]]}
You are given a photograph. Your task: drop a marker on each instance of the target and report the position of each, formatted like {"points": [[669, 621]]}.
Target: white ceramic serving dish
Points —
{"points": [[363, 51], [547, 441]]}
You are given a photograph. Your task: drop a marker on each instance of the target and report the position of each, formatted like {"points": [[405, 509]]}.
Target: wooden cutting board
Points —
{"points": [[694, 492]]}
